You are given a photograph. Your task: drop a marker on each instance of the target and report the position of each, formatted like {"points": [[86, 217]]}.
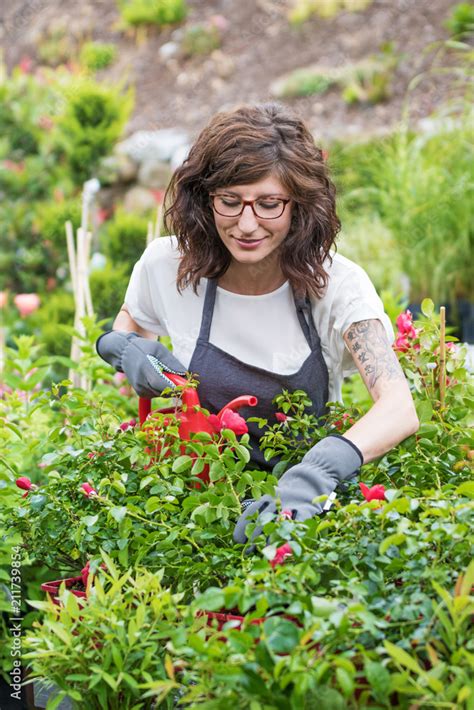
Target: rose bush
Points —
{"points": [[371, 608]]}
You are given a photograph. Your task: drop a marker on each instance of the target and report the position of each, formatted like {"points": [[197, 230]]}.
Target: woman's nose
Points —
{"points": [[247, 220]]}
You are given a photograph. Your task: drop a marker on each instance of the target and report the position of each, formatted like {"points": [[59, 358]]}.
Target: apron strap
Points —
{"points": [[305, 316], [208, 310]]}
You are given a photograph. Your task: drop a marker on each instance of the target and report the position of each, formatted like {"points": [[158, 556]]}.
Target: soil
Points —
{"points": [[258, 46]]}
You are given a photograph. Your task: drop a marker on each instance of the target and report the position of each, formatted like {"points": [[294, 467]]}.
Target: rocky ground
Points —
{"points": [[258, 46]]}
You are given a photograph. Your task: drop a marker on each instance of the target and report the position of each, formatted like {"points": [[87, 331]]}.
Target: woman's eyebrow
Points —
{"points": [[266, 194]]}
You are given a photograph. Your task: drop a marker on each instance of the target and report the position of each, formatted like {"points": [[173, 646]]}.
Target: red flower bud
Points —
{"points": [[376, 492], [25, 483], [88, 490], [281, 554], [280, 417]]}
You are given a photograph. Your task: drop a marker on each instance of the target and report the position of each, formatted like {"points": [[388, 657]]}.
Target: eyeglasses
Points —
{"points": [[263, 207]]}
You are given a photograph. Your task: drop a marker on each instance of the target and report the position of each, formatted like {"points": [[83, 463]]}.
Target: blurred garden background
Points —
{"points": [[118, 90]]}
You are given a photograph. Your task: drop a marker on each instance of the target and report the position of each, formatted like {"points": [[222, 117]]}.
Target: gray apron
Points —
{"points": [[223, 377]]}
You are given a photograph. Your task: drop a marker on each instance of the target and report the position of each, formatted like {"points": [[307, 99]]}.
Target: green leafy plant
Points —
{"points": [[123, 239], [152, 12], [200, 39], [95, 56], [92, 120], [461, 20], [303, 10]]}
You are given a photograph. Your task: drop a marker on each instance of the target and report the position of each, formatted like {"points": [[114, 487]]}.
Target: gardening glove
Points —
{"points": [[331, 461], [142, 360]]}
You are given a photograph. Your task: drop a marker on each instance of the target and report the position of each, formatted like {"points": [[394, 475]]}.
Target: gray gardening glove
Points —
{"points": [[142, 360], [331, 461]]}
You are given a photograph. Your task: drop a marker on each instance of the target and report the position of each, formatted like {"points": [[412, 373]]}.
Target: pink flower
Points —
{"points": [[119, 377], [25, 484], [401, 344], [128, 425], [280, 417], [25, 65], [88, 490], [376, 492], [405, 325], [27, 303], [232, 420], [3, 298], [219, 22], [281, 554]]}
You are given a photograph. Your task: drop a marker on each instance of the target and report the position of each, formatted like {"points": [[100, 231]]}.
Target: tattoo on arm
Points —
{"points": [[371, 350]]}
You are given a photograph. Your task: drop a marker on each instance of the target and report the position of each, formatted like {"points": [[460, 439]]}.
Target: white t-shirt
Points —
{"points": [[260, 330]]}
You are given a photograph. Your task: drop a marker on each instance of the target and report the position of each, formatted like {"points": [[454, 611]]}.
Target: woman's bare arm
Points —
{"points": [[392, 417], [125, 323]]}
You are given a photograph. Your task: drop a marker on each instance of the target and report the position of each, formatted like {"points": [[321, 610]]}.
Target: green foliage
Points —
{"points": [[123, 240], [92, 120], [373, 606], [56, 311], [56, 44], [95, 56], [200, 39], [303, 10], [50, 220], [421, 202], [116, 643], [461, 20], [370, 80], [305, 81], [108, 287], [152, 12]]}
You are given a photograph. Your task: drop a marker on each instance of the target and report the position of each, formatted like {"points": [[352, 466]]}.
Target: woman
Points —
{"points": [[254, 301]]}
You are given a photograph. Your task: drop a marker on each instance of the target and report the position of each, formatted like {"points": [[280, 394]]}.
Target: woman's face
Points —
{"points": [[249, 238]]}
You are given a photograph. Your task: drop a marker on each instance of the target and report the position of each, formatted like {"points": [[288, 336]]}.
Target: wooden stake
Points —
{"points": [[442, 357], [159, 218], [72, 256]]}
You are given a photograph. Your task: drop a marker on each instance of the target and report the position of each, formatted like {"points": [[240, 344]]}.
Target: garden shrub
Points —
{"points": [[303, 10], [92, 121], [50, 220], [123, 238], [373, 606], [97, 55], [152, 12], [108, 287], [200, 39], [56, 311], [461, 20]]}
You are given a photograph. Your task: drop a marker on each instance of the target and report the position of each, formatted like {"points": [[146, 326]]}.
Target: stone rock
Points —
{"points": [[169, 50], [154, 174], [152, 145], [117, 168], [139, 199]]}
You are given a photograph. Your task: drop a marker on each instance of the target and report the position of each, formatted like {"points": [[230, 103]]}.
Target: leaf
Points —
{"points": [[181, 464], [395, 539], [118, 513], [466, 489], [379, 679], [346, 681], [427, 307], [152, 504], [281, 635], [403, 658], [468, 580], [211, 600]]}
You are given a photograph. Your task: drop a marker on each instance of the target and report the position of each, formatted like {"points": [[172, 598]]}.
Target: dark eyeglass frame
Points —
{"points": [[212, 195]]}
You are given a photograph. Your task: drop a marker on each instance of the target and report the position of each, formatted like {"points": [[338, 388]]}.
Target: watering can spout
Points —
{"points": [[245, 400]]}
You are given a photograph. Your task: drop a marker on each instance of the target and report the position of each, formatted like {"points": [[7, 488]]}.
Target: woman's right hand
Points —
{"points": [[143, 361]]}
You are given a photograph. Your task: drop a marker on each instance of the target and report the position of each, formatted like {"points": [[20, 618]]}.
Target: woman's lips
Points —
{"points": [[249, 243]]}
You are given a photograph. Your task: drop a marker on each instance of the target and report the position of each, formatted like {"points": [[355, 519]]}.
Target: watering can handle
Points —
{"points": [[144, 404]]}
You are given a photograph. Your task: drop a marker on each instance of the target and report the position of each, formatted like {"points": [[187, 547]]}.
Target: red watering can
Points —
{"points": [[193, 421]]}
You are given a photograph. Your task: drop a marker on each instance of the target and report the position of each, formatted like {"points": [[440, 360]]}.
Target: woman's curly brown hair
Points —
{"points": [[241, 147]]}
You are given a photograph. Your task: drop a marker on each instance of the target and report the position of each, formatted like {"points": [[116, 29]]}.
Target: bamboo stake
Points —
{"points": [[149, 233], [71, 255], [442, 357], [87, 289], [159, 219]]}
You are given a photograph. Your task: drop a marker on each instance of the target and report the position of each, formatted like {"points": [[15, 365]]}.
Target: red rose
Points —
{"points": [[281, 554], [88, 490], [376, 492]]}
